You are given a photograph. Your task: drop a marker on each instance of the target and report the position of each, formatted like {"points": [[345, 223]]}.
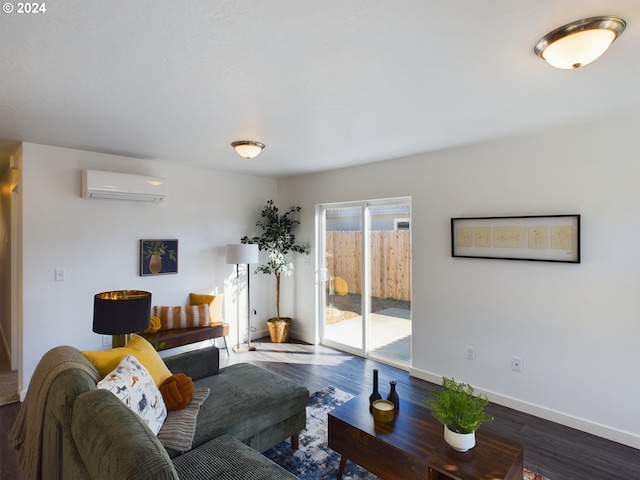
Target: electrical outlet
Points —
{"points": [[516, 364], [471, 353], [60, 275]]}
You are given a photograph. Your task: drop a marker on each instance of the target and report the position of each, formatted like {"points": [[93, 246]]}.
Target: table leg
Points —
{"points": [[343, 462]]}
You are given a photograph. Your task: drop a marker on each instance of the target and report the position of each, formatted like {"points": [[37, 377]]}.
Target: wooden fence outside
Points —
{"points": [[390, 261]]}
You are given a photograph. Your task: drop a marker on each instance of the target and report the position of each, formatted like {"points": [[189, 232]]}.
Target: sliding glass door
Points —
{"points": [[365, 279], [343, 266]]}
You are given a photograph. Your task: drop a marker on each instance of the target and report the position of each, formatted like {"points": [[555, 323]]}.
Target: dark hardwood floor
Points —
{"points": [[5, 364], [8, 457], [558, 452]]}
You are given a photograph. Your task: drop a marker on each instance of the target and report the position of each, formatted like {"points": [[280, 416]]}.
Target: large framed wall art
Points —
{"points": [[544, 238]]}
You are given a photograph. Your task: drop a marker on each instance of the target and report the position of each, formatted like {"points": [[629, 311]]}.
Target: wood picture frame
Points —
{"points": [[543, 238], [158, 257]]}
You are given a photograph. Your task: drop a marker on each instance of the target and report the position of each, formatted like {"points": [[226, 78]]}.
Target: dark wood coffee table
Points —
{"points": [[412, 446]]}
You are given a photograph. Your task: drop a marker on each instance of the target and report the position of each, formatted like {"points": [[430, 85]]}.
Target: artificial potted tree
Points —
{"points": [[460, 411], [277, 240]]}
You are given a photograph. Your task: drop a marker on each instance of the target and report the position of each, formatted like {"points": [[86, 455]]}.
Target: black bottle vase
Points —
{"points": [[393, 395], [375, 395]]}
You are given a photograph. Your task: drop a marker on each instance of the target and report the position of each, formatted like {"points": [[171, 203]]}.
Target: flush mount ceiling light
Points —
{"points": [[248, 148], [579, 43]]}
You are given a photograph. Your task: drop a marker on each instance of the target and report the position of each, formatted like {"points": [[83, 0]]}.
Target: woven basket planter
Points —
{"points": [[279, 329]]}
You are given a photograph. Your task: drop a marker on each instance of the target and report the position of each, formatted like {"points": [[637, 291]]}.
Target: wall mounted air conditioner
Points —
{"points": [[123, 186]]}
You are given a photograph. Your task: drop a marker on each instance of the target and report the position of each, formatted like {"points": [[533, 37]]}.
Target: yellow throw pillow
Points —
{"points": [[340, 286], [107, 360], [215, 306], [154, 325]]}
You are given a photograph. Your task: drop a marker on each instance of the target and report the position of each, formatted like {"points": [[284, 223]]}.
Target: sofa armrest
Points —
{"points": [[114, 443], [59, 453], [196, 364]]}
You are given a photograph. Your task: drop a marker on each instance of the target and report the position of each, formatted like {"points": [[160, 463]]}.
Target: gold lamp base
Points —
{"points": [[120, 340]]}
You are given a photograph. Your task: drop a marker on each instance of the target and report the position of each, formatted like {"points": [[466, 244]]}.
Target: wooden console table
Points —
{"points": [[413, 446], [177, 337]]}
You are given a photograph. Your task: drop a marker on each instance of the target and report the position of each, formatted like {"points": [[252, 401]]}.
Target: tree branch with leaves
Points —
{"points": [[278, 240]]}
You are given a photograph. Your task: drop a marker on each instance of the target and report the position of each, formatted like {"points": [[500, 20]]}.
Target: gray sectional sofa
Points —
{"points": [[90, 433]]}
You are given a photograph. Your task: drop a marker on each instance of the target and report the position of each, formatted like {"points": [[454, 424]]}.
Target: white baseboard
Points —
{"points": [[259, 334], [613, 434]]}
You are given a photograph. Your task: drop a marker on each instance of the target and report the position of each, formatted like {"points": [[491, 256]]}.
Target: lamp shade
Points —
{"points": [[242, 253], [121, 312]]}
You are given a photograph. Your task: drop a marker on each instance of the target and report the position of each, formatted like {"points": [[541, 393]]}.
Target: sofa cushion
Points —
{"points": [[244, 401], [107, 360], [226, 458], [133, 385], [182, 317], [196, 364]]}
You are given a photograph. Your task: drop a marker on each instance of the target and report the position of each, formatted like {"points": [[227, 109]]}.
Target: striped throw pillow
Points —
{"points": [[182, 317]]}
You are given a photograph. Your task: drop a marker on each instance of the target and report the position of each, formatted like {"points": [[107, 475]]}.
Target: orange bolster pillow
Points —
{"points": [[177, 391]]}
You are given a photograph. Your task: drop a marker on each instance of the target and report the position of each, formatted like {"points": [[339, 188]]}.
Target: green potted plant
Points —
{"points": [[278, 240], [460, 411]]}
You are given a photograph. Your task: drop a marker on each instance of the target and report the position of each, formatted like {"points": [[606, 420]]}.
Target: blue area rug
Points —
{"points": [[314, 460]]}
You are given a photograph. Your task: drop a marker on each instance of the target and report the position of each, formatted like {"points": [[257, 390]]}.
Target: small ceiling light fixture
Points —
{"points": [[579, 43], [248, 148]]}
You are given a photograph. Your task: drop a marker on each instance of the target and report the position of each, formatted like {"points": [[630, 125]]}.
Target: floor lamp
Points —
{"points": [[243, 253]]}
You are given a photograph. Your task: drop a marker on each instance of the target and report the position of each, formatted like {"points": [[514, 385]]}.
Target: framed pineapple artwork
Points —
{"points": [[158, 257]]}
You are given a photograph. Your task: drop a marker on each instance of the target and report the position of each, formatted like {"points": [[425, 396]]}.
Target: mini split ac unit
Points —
{"points": [[123, 186]]}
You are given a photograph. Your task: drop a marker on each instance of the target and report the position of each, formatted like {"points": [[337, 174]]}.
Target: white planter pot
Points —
{"points": [[459, 441]]}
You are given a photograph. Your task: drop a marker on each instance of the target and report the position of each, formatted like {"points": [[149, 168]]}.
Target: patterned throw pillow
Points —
{"points": [[215, 306], [133, 384], [182, 317]]}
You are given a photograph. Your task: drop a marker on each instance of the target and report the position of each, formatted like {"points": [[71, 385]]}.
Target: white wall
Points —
{"points": [[577, 327], [97, 242]]}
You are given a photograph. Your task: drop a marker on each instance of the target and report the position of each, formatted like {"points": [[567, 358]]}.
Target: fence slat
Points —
{"points": [[390, 261]]}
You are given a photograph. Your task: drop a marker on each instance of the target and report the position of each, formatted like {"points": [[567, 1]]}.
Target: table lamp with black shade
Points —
{"points": [[120, 313]]}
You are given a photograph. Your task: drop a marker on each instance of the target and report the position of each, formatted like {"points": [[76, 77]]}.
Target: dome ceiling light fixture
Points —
{"points": [[579, 43], [248, 148]]}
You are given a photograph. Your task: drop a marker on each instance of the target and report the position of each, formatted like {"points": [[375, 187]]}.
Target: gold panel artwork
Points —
{"points": [[538, 237], [508, 237], [482, 237], [561, 238], [545, 238], [465, 236]]}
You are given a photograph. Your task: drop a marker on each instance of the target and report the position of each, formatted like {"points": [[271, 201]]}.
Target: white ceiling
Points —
{"points": [[324, 84]]}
